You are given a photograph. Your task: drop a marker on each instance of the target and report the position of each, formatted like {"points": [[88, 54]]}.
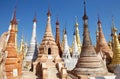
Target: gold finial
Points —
{"points": [[114, 29], [76, 23]]}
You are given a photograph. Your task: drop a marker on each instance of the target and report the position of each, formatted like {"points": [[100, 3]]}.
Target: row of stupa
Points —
{"points": [[52, 59]]}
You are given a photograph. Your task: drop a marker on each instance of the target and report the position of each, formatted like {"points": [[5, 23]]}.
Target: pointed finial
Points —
{"points": [[57, 22], [76, 24], [65, 30], [98, 19], [35, 20], [85, 16], [14, 17], [14, 21], [113, 25], [49, 13], [76, 18], [114, 29], [84, 7]]}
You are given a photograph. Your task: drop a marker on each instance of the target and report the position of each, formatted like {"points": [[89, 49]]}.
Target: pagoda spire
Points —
{"points": [[63, 40], [75, 47], [12, 52], [113, 30], [32, 50], [14, 25], [78, 36], [14, 20], [116, 50], [48, 13], [57, 22], [85, 17], [75, 43], [57, 39], [88, 60], [102, 44], [66, 52], [35, 20], [48, 45], [48, 25], [113, 26], [33, 40], [86, 36]]}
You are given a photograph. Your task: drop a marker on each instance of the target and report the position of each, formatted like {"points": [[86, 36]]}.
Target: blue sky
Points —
{"points": [[66, 10]]}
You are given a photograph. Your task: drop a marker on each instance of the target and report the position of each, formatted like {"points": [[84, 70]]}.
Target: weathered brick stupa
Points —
{"points": [[102, 44], [13, 66], [88, 63], [57, 38]]}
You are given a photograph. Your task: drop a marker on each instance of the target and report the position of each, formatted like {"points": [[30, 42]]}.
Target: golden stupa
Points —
{"points": [[116, 50]]}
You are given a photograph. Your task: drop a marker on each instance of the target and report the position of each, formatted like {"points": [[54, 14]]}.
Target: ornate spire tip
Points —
{"points": [[98, 19], [49, 13], [14, 21], [35, 20], [57, 22], [85, 16]]}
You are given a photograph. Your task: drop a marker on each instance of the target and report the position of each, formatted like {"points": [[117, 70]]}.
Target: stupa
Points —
{"points": [[48, 45], [102, 44], [88, 63], [116, 50], [70, 60], [66, 53], [32, 50], [57, 38], [49, 64], [79, 44], [75, 53], [13, 63]]}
